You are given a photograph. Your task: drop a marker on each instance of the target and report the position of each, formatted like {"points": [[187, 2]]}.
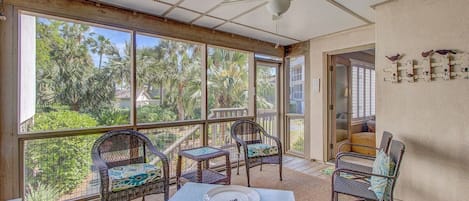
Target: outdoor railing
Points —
{"points": [[168, 140]]}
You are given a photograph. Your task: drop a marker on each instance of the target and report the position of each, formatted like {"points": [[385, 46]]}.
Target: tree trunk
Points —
{"points": [[100, 60], [180, 101], [161, 93], [75, 107]]}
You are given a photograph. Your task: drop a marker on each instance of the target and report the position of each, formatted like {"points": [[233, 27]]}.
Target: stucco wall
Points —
{"points": [[432, 119], [352, 38]]}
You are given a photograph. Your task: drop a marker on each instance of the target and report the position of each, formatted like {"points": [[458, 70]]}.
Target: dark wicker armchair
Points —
{"points": [[258, 146], [356, 188], [126, 151]]}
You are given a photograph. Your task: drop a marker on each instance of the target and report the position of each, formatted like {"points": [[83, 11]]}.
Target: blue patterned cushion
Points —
{"points": [[261, 150], [129, 176], [383, 165]]}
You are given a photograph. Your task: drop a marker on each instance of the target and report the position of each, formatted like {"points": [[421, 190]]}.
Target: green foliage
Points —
{"points": [[62, 120], [175, 69], [162, 140], [265, 87], [227, 78], [42, 193], [61, 163], [66, 74], [298, 145], [112, 116], [154, 113]]}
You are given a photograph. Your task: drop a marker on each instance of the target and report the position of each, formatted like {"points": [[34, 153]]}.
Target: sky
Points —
{"points": [[120, 38], [117, 38]]}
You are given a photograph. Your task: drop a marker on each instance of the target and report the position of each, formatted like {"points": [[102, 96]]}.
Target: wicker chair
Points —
{"points": [[350, 186], [252, 138], [128, 147], [340, 163]]}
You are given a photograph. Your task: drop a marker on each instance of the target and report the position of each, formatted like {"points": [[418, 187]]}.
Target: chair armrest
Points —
{"points": [[276, 139], [358, 145], [100, 164], [356, 155], [103, 172], [354, 172], [239, 141], [350, 154], [163, 159]]}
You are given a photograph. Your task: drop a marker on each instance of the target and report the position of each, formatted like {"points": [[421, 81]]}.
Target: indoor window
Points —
{"points": [[363, 91]]}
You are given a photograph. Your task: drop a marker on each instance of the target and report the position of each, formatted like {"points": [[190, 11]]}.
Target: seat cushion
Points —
{"points": [[351, 187], [383, 165], [255, 150], [133, 175]]}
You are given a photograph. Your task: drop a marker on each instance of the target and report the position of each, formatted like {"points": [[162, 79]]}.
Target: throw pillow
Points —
{"points": [[383, 165]]}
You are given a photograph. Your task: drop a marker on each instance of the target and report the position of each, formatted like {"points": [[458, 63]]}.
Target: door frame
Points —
{"points": [[277, 66], [336, 60], [330, 123], [287, 116]]}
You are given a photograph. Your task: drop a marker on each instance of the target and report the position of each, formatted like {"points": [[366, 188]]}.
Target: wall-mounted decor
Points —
{"points": [[439, 64]]}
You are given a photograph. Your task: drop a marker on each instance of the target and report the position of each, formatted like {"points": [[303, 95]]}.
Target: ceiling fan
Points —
{"points": [[275, 7]]}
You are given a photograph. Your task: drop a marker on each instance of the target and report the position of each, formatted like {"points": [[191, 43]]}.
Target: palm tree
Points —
{"points": [[176, 68], [265, 88], [72, 60], [102, 46], [66, 73], [227, 78], [118, 67], [185, 77], [227, 81]]}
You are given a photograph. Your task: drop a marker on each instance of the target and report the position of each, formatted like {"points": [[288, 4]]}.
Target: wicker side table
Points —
{"points": [[208, 176]]}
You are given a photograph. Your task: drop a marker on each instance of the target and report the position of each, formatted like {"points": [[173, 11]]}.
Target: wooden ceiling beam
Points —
{"points": [[86, 10]]}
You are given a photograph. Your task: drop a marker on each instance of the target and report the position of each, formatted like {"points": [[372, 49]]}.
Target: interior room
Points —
{"points": [[352, 97], [253, 100]]}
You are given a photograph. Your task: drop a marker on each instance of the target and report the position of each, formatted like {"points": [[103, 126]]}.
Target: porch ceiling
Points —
{"points": [[304, 20]]}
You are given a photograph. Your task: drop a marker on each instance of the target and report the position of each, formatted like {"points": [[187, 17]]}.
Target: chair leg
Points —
{"points": [[280, 169], [237, 169], [335, 196], [247, 172], [166, 194]]}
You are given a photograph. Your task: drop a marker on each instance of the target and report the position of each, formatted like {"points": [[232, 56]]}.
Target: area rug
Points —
{"points": [[328, 171]]}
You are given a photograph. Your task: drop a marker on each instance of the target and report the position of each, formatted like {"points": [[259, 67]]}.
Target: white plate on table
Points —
{"points": [[232, 193]]}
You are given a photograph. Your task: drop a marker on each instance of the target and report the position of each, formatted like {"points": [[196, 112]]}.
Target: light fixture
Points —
{"points": [[278, 7], [2, 6], [2, 17], [276, 31]]}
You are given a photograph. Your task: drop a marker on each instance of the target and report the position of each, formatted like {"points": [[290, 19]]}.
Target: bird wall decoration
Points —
{"points": [[427, 53], [445, 52], [394, 58]]}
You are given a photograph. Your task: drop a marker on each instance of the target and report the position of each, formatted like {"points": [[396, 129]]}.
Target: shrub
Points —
{"points": [[63, 119], [154, 113], [61, 163], [42, 193], [298, 145], [112, 116]]}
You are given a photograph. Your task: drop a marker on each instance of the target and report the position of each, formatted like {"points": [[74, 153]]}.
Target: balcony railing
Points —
{"points": [[168, 140]]}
